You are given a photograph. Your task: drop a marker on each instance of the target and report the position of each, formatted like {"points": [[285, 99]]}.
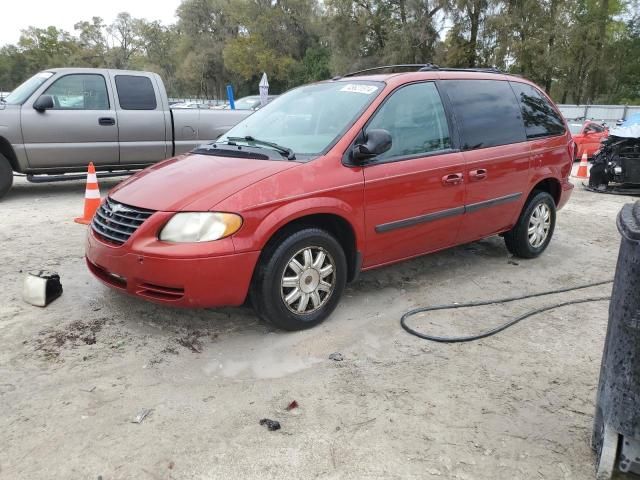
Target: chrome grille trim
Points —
{"points": [[116, 222]]}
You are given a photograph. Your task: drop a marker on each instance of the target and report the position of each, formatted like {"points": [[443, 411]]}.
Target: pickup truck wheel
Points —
{"points": [[300, 279], [532, 233], [6, 176]]}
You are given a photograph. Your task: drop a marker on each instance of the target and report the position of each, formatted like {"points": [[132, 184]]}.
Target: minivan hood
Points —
{"points": [[193, 182]]}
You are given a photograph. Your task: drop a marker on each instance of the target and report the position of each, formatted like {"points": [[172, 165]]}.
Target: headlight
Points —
{"points": [[200, 227]]}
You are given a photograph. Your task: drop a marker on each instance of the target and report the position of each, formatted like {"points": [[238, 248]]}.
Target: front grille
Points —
{"points": [[116, 222], [631, 151], [630, 162]]}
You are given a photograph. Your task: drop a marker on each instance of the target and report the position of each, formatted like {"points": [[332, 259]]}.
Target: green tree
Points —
{"points": [[124, 37], [577, 50]]}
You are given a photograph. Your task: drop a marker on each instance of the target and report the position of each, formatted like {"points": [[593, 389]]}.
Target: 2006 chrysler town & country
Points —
{"points": [[333, 178]]}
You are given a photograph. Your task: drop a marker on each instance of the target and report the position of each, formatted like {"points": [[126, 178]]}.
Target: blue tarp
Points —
{"points": [[632, 120], [630, 128]]}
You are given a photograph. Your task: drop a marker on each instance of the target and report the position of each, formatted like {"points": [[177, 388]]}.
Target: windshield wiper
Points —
{"points": [[287, 152]]}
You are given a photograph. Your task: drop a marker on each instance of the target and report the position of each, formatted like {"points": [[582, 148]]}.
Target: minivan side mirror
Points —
{"points": [[44, 102], [375, 142]]}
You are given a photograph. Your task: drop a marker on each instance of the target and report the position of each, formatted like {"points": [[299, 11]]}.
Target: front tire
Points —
{"points": [[300, 279], [532, 233], [6, 176]]}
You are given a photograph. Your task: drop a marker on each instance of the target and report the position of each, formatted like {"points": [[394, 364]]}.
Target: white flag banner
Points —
{"points": [[264, 90]]}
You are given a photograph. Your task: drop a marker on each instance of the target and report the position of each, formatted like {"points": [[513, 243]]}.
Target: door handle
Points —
{"points": [[106, 121], [479, 174], [452, 179]]}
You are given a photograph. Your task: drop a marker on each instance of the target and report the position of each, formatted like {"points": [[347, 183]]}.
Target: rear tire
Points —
{"points": [[6, 176], [532, 233], [300, 279]]}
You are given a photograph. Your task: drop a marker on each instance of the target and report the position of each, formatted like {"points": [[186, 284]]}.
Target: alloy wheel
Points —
{"points": [[539, 225], [308, 280]]}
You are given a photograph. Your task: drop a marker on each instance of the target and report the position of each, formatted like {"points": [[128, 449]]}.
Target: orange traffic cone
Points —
{"points": [[91, 197], [583, 169]]}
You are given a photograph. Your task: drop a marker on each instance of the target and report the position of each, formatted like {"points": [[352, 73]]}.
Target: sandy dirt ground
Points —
{"points": [[515, 406]]}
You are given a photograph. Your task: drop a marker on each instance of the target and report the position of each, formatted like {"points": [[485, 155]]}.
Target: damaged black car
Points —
{"points": [[616, 166]]}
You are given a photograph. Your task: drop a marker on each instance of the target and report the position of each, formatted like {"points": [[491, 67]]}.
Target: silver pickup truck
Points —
{"points": [[63, 118]]}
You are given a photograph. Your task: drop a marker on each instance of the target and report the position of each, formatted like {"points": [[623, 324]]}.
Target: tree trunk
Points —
{"points": [[474, 16], [403, 12], [548, 79], [597, 80]]}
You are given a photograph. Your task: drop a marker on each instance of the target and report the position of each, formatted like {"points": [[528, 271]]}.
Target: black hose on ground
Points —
{"points": [[504, 326]]}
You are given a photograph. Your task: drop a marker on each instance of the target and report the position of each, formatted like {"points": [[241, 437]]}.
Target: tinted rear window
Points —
{"points": [[540, 118], [487, 112], [135, 93]]}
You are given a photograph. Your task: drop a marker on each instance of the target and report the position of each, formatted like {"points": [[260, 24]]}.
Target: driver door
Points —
{"points": [[414, 192], [80, 128]]}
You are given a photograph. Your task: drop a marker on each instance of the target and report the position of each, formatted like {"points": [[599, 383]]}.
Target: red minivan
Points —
{"points": [[334, 178]]}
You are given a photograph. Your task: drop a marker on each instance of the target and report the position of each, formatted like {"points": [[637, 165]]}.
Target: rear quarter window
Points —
{"points": [[487, 112], [540, 118], [135, 92]]}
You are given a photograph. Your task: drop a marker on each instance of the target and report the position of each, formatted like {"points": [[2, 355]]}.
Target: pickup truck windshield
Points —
{"points": [[309, 119], [24, 91]]}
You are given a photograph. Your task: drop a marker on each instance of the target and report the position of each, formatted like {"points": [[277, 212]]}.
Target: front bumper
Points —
{"points": [[195, 281]]}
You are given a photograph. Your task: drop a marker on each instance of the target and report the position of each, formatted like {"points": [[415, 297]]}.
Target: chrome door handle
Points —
{"points": [[452, 179], [479, 174]]}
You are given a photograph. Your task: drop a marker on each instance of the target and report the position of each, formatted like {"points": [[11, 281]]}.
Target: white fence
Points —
{"points": [[609, 114]]}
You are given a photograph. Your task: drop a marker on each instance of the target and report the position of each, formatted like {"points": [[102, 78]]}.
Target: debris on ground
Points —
{"points": [[169, 350], [41, 287], [144, 413], [192, 341], [77, 333], [292, 405], [336, 357], [272, 425]]}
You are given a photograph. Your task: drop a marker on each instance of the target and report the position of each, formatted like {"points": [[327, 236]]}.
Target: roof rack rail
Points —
{"points": [[419, 67], [479, 70], [412, 66]]}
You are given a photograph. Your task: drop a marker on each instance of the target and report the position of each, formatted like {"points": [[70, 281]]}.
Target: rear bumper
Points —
{"points": [[206, 281], [565, 193]]}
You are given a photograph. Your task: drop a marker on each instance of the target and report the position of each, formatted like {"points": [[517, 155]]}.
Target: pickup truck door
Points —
{"points": [[144, 121], [80, 128]]}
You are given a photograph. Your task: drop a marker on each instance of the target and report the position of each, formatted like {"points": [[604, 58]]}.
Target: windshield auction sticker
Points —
{"points": [[359, 88]]}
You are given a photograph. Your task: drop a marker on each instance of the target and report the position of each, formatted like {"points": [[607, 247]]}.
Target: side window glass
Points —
{"points": [[540, 118], [135, 92], [79, 92], [487, 111], [416, 120]]}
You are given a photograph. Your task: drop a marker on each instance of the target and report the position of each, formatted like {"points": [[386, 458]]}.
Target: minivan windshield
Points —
{"points": [[308, 120], [24, 91]]}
